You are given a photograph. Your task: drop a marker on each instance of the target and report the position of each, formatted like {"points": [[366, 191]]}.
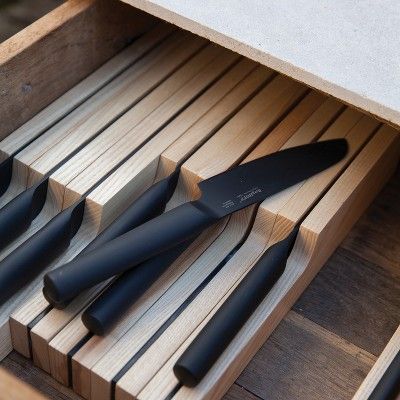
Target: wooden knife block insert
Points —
{"points": [[167, 100]]}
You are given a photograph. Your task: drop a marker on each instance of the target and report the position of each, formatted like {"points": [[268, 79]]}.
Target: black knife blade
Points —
{"points": [[222, 195]]}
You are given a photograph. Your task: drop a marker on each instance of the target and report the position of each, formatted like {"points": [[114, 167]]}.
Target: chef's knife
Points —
{"points": [[213, 339], [222, 195]]}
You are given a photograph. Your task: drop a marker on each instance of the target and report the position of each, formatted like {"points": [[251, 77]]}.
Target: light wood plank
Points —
{"points": [[263, 111], [33, 70], [12, 388]]}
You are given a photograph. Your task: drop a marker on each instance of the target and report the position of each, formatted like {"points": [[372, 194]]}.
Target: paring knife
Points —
{"points": [[223, 326], [222, 195]]}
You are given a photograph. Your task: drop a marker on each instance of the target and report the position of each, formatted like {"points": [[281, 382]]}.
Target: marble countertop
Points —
{"points": [[349, 49]]}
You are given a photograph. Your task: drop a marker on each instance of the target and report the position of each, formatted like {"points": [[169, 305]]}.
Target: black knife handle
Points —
{"points": [[106, 310], [26, 261], [144, 242], [5, 174], [147, 206], [388, 388], [211, 342], [17, 215]]}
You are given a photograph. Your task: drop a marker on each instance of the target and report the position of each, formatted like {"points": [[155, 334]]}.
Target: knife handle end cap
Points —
{"points": [[185, 376], [94, 325]]}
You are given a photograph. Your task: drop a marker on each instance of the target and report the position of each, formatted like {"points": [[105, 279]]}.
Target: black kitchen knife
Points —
{"points": [[222, 195], [388, 388], [111, 304], [147, 206], [5, 174], [216, 335]]}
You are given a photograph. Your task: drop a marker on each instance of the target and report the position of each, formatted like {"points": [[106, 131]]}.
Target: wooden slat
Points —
{"points": [[322, 230], [22, 368], [79, 93], [379, 368], [190, 89], [219, 62], [271, 225], [35, 64]]}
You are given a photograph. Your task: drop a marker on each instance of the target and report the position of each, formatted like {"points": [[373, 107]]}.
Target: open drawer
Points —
{"points": [[99, 102]]}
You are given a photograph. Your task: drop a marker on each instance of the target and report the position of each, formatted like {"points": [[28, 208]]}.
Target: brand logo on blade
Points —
{"points": [[249, 194], [242, 197]]}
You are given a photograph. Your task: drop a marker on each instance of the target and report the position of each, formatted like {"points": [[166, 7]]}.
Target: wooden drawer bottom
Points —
{"points": [[172, 100]]}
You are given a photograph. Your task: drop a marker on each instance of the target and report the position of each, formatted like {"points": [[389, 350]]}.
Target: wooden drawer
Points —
{"points": [[101, 100]]}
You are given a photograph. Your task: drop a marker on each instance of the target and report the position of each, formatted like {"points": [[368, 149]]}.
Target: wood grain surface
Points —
{"points": [[33, 71]]}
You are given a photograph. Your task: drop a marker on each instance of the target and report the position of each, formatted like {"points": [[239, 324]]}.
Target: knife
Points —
{"points": [[147, 206], [388, 388], [5, 173], [221, 329], [222, 195], [111, 304]]}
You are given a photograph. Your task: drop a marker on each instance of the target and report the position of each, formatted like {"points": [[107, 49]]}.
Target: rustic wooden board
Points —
{"points": [[304, 361], [376, 237], [33, 71], [343, 305]]}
